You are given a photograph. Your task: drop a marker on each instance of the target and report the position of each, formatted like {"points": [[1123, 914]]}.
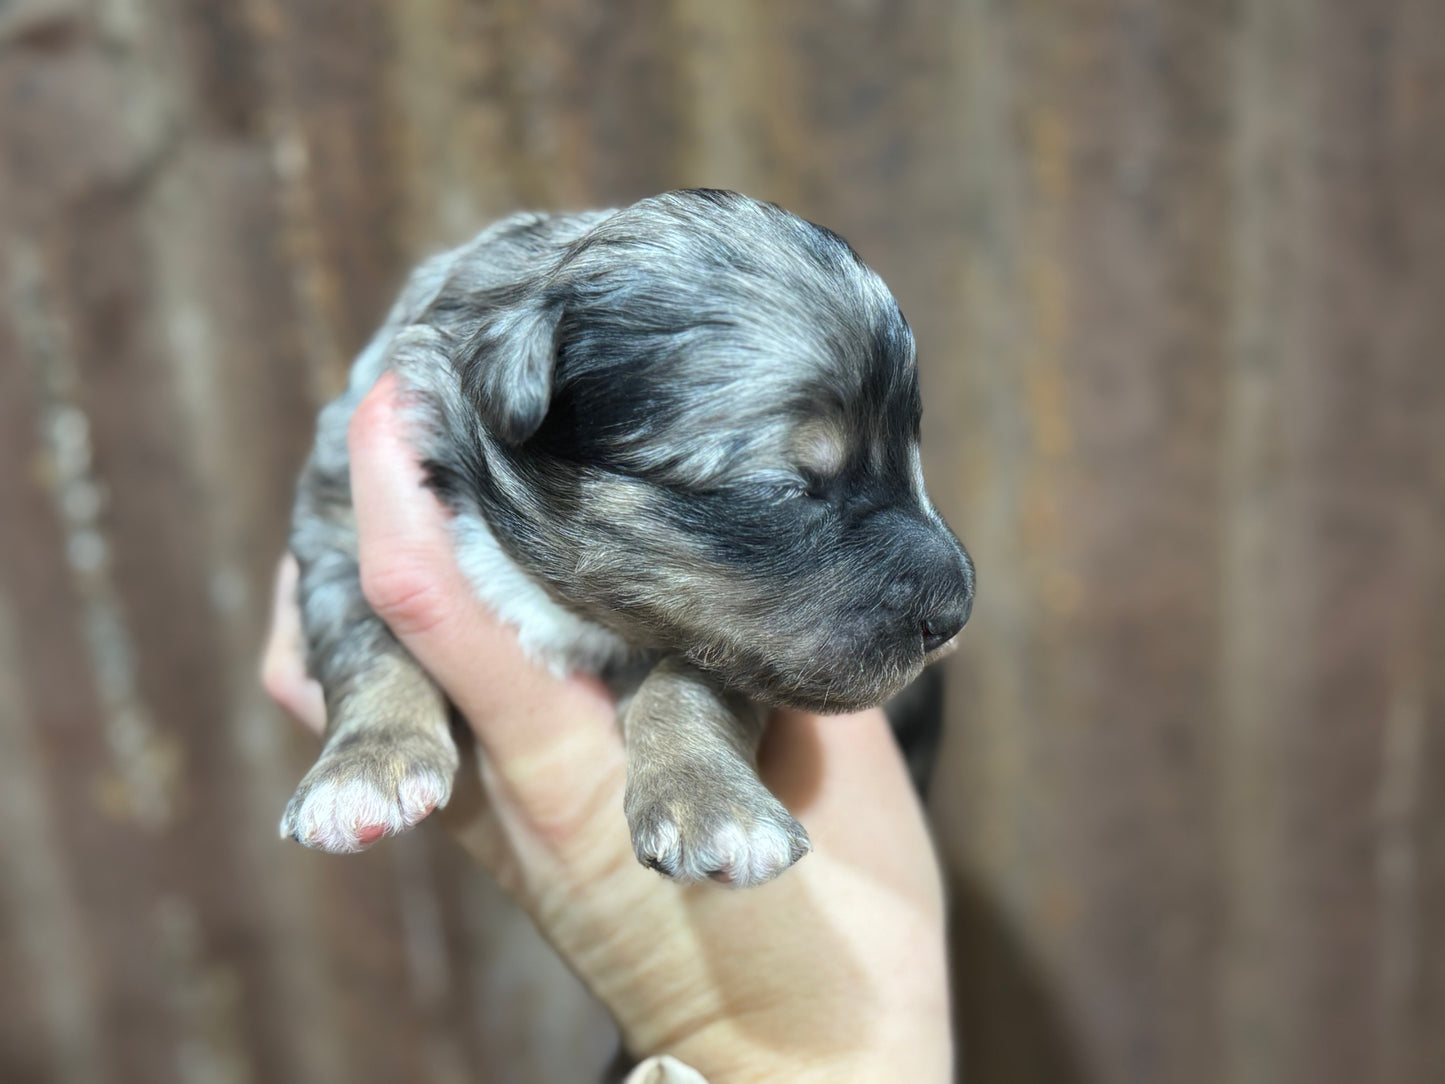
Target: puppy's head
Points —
{"points": [[699, 426]]}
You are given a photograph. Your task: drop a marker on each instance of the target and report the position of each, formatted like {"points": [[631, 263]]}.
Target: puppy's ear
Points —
{"points": [[506, 366]]}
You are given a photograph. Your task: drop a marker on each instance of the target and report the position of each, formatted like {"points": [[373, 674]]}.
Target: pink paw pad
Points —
{"points": [[370, 834]]}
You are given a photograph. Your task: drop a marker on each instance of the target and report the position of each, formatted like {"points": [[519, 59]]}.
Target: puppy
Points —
{"points": [[680, 442]]}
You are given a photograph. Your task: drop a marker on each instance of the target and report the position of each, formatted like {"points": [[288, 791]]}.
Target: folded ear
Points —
{"points": [[506, 366]]}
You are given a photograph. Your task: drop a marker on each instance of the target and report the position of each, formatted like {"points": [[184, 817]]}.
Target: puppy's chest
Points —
{"points": [[548, 633]]}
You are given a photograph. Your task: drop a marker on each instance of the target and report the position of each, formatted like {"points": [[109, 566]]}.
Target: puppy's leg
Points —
{"points": [[389, 757], [694, 802]]}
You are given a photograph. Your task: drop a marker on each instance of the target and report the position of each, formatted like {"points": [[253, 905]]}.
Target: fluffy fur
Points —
{"points": [[681, 444]]}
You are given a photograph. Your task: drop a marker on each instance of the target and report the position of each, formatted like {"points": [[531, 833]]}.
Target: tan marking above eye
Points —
{"points": [[820, 447]]}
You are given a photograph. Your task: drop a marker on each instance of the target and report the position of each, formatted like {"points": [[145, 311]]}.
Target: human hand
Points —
{"points": [[836, 971]]}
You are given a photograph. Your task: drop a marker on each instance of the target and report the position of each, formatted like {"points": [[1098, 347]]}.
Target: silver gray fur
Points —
{"points": [[681, 444]]}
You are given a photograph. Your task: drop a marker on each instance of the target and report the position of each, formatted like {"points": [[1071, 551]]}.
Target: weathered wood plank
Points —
{"points": [[1175, 273]]}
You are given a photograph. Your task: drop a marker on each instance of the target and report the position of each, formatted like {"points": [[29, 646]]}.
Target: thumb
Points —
{"points": [[542, 736]]}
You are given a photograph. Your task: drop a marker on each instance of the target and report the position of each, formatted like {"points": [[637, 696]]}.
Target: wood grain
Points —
{"points": [[1176, 273]]}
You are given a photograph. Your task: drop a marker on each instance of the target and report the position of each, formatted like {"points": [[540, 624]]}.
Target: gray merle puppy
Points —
{"points": [[681, 444]]}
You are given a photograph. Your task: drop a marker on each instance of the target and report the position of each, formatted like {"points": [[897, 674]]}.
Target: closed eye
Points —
{"points": [[794, 486], [815, 485]]}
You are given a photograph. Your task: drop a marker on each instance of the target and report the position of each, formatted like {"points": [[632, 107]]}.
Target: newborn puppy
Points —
{"points": [[681, 444]]}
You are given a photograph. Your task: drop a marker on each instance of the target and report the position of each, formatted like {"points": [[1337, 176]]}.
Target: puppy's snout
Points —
{"points": [[927, 595], [941, 590]]}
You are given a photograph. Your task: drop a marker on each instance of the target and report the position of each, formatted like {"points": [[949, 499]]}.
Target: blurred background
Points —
{"points": [[1177, 274]]}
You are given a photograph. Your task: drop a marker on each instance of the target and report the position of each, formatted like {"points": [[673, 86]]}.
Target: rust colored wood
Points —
{"points": [[1175, 271]]}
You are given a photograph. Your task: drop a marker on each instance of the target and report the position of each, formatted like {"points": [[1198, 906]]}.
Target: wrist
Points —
{"points": [[734, 1051]]}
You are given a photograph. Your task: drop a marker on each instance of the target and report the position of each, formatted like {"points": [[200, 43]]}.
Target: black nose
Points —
{"points": [[942, 627]]}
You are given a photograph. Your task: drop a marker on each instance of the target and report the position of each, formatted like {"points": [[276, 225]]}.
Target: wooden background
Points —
{"points": [[1177, 271]]}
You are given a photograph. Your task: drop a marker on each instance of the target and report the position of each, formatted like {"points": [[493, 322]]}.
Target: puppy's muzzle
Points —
{"points": [[935, 593]]}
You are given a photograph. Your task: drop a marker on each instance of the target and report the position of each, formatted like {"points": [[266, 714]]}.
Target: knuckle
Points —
{"points": [[404, 595], [368, 420]]}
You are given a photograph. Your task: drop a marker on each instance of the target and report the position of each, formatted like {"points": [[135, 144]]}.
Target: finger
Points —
{"points": [[824, 767], [530, 723], [283, 662]]}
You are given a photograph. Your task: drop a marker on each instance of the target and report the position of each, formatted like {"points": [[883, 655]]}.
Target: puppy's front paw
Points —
{"points": [[367, 789], [737, 833]]}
